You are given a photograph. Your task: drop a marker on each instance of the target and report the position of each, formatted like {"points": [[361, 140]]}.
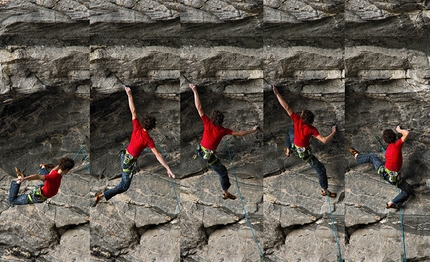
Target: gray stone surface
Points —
{"points": [[361, 64], [38, 128], [216, 11], [44, 22], [212, 227], [122, 227], [366, 217], [294, 210], [36, 69], [365, 19]]}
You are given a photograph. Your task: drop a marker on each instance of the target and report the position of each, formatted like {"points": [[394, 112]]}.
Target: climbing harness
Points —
{"points": [[393, 177], [302, 152], [36, 196], [129, 163], [171, 181], [400, 208], [208, 155], [243, 204], [128, 158], [339, 255], [84, 156]]}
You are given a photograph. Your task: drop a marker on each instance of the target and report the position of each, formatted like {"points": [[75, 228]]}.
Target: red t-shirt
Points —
{"points": [[139, 140], [52, 184], [212, 135], [302, 131], [393, 156]]}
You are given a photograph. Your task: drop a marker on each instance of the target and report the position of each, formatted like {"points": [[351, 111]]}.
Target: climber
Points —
{"points": [[139, 140], [48, 189], [213, 132], [298, 137], [390, 172]]}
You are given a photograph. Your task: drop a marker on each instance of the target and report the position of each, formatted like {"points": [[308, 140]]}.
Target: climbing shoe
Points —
{"points": [[391, 205], [330, 194], [19, 173], [287, 151], [47, 166], [228, 195], [97, 199], [353, 151]]}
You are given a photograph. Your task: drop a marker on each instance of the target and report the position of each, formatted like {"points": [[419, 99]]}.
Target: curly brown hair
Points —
{"points": [[308, 117], [217, 117], [149, 122], [389, 136], [66, 163]]}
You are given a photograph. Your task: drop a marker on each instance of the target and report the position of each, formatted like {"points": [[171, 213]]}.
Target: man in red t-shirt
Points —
{"points": [[298, 140], [390, 172], [213, 132], [139, 140], [42, 192]]}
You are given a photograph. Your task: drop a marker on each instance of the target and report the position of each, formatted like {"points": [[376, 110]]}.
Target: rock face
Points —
{"points": [[363, 66], [211, 224], [40, 128]]}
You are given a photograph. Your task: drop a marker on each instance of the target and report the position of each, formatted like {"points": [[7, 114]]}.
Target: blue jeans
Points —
{"points": [[321, 171], [219, 168], [369, 158], [406, 189], [23, 199], [127, 176], [313, 161], [289, 140]]}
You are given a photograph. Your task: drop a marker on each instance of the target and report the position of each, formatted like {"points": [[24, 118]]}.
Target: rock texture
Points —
{"points": [[211, 226], [44, 94], [362, 65], [294, 208], [387, 70], [40, 128], [44, 22], [365, 213], [131, 226]]}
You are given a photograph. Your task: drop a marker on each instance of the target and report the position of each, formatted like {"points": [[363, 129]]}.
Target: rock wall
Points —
{"points": [[362, 65], [40, 124]]}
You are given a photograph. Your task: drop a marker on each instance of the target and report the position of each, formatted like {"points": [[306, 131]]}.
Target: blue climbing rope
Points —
{"points": [[171, 181], [243, 204], [81, 150], [400, 208], [334, 231]]}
